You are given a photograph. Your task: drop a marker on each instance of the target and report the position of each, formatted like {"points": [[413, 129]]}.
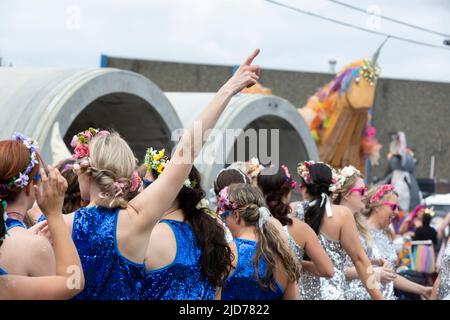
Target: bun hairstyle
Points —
{"points": [[216, 255], [274, 187], [228, 176], [19, 166], [317, 181], [248, 201]]}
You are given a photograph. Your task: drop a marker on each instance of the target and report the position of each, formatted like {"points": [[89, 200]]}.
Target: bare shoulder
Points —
{"points": [[341, 211]]}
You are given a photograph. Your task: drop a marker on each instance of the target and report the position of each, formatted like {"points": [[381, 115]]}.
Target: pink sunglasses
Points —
{"points": [[362, 191], [394, 206]]}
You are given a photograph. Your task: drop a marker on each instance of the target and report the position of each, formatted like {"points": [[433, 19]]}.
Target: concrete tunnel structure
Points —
{"points": [[48, 103]]}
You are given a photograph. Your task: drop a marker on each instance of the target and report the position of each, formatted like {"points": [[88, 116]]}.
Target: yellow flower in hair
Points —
{"points": [[159, 155], [160, 168]]}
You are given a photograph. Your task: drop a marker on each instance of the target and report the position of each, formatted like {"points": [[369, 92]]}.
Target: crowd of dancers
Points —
{"points": [[98, 227]]}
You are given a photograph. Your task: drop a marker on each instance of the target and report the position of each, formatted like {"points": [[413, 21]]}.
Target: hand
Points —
{"points": [[245, 76], [385, 275], [426, 292], [51, 199], [37, 228]]}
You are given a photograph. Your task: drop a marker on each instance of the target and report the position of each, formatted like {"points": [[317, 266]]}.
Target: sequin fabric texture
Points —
{"points": [[313, 287], [444, 284], [108, 275], [355, 289], [383, 247], [182, 279], [242, 283], [294, 246]]}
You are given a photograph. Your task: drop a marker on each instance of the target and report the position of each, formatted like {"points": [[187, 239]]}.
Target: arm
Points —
{"points": [[404, 284], [351, 244], [443, 225], [69, 279], [434, 291], [320, 264], [291, 292], [41, 254], [154, 200], [406, 224]]}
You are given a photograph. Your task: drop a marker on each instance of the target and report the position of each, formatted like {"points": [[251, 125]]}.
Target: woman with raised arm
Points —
{"points": [[69, 279], [337, 232], [277, 189], [264, 266], [112, 233]]}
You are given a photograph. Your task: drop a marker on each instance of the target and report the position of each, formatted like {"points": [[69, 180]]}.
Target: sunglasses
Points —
{"points": [[394, 206], [362, 191], [225, 215]]}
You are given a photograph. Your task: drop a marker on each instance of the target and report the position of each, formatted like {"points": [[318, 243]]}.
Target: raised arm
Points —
{"points": [[69, 279], [351, 244], [155, 199]]}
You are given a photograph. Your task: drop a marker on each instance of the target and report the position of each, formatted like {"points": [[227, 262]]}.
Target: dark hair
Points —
{"points": [[274, 188], [72, 198], [2, 224], [227, 177], [321, 179], [426, 219], [216, 255]]}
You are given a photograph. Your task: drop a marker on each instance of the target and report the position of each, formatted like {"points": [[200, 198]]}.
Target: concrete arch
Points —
{"points": [[248, 111], [34, 100]]}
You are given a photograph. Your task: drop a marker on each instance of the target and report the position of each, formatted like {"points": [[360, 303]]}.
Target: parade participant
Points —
{"points": [[338, 234], [441, 288], [112, 233], [31, 254], [68, 265], [381, 207], [187, 256], [277, 189], [350, 191], [412, 221], [264, 266]]}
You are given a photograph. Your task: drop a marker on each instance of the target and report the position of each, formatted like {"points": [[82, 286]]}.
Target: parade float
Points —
{"points": [[339, 119]]}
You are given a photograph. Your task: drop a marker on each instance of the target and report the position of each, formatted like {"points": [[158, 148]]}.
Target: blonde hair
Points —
{"points": [[338, 196], [370, 206], [271, 246], [111, 165]]}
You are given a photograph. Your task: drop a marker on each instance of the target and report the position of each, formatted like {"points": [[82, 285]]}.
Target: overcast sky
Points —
{"points": [[60, 33]]}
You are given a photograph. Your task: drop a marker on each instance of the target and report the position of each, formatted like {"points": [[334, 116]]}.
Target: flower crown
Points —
{"points": [[254, 167], [80, 142], [303, 171], [289, 176], [342, 175], [22, 179], [157, 161], [381, 191], [224, 202]]}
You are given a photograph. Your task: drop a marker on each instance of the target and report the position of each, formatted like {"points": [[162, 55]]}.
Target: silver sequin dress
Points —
{"points": [[444, 284], [313, 287], [383, 247], [355, 289]]}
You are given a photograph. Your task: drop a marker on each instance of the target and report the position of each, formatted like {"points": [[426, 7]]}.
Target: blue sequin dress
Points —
{"points": [[108, 274], [3, 272], [182, 279], [14, 223], [242, 283]]}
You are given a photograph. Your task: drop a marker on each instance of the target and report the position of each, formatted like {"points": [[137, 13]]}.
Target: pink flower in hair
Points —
{"points": [[381, 191], [224, 202], [136, 182], [74, 141], [81, 151]]}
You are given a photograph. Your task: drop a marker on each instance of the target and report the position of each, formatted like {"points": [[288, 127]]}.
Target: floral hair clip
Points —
{"points": [[135, 182], [80, 142], [341, 176], [289, 176], [22, 179], [381, 191], [157, 161], [303, 171], [224, 202]]}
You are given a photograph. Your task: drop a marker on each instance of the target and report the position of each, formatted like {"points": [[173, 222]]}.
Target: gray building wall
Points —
{"points": [[420, 109]]}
